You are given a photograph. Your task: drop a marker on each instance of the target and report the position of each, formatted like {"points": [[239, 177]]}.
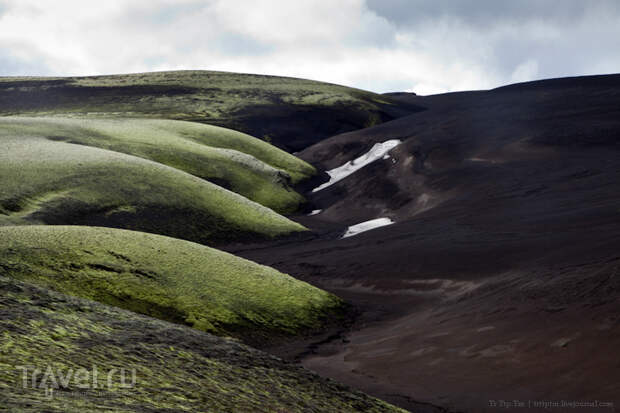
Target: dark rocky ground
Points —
{"points": [[501, 278]]}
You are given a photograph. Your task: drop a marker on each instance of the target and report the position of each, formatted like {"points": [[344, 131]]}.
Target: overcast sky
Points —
{"points": [[425, 46]]}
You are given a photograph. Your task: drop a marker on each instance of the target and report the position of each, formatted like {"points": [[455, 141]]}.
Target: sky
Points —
{"points": [[423, 46]]}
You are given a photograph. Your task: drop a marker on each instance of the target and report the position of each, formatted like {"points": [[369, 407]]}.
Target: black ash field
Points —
{"points": [[489, 268]]}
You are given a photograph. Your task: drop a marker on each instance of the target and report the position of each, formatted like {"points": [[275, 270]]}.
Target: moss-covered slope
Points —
{"points": [[167, 278], [176, 368], [239, 162], [55, 182], [292, 113]]}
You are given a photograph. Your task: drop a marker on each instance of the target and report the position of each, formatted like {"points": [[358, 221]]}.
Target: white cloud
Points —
{"points": [[342, 42], [526, 71]]}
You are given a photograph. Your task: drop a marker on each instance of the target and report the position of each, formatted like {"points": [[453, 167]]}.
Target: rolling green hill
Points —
{"points": [[55, 182], [177, 369], [239, 162], [108, 187], [291, 113], [166, 278]]}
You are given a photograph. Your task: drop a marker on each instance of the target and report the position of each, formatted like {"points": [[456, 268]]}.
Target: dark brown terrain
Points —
{"points": [[500, 279]]}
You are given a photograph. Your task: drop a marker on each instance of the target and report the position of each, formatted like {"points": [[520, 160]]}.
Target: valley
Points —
{"points": [[434, 252]]}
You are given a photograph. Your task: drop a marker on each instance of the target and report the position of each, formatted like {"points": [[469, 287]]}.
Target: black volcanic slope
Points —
{"points": [[501, 277]]}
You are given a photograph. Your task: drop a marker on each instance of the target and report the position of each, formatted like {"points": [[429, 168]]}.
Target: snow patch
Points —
{"points": [[486, 160], [314, 212], [378, 151], [367, 226]]}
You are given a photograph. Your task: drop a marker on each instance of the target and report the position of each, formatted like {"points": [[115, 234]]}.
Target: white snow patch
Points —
{"points": [[487, 160], [367, 226], [378, 151], [314, 212]]}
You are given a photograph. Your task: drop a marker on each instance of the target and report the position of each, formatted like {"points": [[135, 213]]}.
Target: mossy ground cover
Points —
{"points": [[56, 182], [176, 368], [239, 162], [166, 278], [289, 112], [208, 94], [110, 151]]}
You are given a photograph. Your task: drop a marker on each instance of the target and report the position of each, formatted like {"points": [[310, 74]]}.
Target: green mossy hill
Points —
{"points": [[239, 162], [177, 369], [166, 278], [292, 113], [44, 181]]}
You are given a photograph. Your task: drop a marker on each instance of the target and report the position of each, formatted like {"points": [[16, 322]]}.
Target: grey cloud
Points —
{"points": [[168, 14], [188, 28], [552, 38], [575, 54], [487, 12], [13, 66], [375, 32], [381, 45], [238, 44], [159, 15]]}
